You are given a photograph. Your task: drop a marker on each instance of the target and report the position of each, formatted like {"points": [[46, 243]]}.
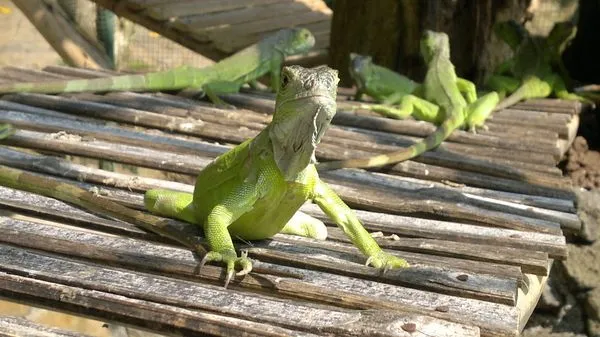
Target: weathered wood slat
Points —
{"points": [[220, 132], [50, 124], [173, 9], [150, 314], [410, 127], [390, 200], [421, 276], [499, 202], [165, 106], [200, 23], [62, 168], [19, 326], [529, 261], [315, 286], [389, 223], [551, 105], [381, 124]]}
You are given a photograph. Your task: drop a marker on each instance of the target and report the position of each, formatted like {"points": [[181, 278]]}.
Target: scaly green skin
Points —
{"points": [[226, 76], [442, 100], [252, 191], [399, 95], [532, 69]]}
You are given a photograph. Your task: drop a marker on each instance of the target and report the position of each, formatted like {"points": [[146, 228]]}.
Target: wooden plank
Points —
{"points": [[302, 316], [174, 9], [122, 9], [317, 286], [231, 39], [221, 132], [197, 24], [423, 276], [529, 261], [408, 127], [20, 326], [166, 106], [551, 105], [513, 204], [57, 29], [218, 132], [554, 245], [499, 202], [439, 157], [388, 200], [149, 314]]}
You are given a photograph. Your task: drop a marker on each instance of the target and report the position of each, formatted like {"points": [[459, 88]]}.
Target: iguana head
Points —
{"points": [[304, 108], [434, 43], [511, 32], [358, 66], [561, 34], [292, 41]]}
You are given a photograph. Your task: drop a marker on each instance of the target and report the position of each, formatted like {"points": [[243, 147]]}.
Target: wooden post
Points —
{"points": [[54, 26], [389, 30]]}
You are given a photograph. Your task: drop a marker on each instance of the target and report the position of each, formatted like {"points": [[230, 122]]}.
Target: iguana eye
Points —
{"points": [[284, 81]]}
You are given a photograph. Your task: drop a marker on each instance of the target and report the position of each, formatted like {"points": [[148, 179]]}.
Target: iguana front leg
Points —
{"points": [[275, 71], [240, 200], [467, 89], [343, 216], [212, 89]]}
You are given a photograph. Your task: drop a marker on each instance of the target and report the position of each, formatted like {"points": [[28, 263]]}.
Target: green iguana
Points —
{"points": [[400, 96], [252, 191], [442, 100], [536, 69], [226, 76]]}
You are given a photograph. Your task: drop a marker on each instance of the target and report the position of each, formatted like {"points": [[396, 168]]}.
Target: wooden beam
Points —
{"points": [[58, 30]]}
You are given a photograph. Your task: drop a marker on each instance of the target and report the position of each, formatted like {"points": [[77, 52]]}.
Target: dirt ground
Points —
{"points": [[570, 306]]}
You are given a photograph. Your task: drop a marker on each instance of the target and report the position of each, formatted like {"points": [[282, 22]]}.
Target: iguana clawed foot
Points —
{"points": [[230, 258], [386, 261]]}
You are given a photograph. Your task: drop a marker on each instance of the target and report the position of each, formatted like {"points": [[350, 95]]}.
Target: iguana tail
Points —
{"points": [[175, 79], [532, 87], [432, 141]]}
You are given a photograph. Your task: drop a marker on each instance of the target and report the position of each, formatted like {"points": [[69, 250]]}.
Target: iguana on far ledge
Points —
{"points": [[536, 69], [442, 90], [226, 76], [252, 191]]}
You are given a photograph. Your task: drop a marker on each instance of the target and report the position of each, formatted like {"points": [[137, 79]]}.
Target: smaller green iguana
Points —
{"points": [[536, 69], [253, 191], [226, 76], [445, 98]]}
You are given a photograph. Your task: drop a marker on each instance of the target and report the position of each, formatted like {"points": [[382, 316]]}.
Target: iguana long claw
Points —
{"points": [[230, 258]]}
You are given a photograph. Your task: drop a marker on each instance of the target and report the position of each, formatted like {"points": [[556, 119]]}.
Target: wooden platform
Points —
{"points": [[480, 219], [217, 28]]}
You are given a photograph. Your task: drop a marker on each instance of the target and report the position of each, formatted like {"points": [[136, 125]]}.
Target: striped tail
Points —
{"points": [[167, 80], [432, 141]]}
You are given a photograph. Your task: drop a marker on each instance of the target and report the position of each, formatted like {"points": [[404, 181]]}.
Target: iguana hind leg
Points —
{"points": [[480, 110], [305, 225]]}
